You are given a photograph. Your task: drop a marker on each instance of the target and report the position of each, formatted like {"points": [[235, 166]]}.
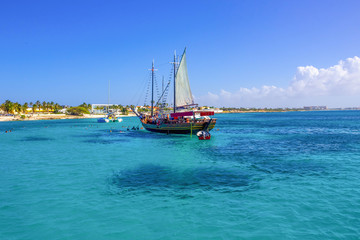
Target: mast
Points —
{"points": [[162, 90], [174, 82], [162, 85], [108, 97], [152, 89]]}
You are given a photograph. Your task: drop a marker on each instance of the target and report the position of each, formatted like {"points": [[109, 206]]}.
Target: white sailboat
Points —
{"points": [[111, 117]]}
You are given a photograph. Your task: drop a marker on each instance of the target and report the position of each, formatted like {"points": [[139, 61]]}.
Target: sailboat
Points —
{"points": [[182, 119], [110, 117]]}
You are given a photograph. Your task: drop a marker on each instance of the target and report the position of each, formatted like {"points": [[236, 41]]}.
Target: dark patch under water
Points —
{"points": [[160, 177], [36, 139]]}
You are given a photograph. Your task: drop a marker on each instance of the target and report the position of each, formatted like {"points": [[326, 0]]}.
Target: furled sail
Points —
{"points": [[182, 88]]}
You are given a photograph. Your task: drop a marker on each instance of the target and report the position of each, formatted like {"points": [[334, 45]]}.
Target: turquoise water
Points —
{"points": [[292, 175]]}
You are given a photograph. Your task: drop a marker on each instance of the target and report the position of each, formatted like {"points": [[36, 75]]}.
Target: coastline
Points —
{"points": [[258, 111], [35, 117], [51, 116]]}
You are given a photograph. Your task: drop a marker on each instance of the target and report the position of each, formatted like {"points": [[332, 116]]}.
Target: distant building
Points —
{"points": [[315, 108], [352, 108]]}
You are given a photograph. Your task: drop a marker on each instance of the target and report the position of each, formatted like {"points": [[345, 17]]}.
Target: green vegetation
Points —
{"points": [[10, 107], [79, 111], [85, 105], [120, 108], [26, 110], [124, 110]]}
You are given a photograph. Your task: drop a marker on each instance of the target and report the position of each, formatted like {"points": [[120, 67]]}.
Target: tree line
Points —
{"points": [[12, 107]]}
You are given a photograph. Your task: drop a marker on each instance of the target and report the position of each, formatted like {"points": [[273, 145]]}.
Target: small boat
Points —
{"points": [[110, 118], [203, 135]]}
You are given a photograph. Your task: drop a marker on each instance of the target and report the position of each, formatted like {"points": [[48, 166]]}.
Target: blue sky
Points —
{"points": [[67, 51]]}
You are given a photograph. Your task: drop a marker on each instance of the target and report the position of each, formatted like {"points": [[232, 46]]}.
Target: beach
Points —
{"points": [[51, 116]]}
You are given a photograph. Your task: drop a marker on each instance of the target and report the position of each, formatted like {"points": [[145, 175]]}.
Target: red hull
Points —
{"points": [[205, 138]]}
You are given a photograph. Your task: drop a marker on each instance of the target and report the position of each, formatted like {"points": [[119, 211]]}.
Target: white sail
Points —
{"points": [[182, 88]]}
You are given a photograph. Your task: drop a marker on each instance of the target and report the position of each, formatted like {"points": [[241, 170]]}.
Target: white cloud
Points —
{"points": [[212, 96], [338, 85]]}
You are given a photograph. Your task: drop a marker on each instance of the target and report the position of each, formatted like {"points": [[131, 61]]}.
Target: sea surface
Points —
{"points": [[292, 175]]}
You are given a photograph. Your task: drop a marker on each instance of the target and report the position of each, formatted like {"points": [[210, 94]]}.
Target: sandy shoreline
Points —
{"points": [[50, 116]]}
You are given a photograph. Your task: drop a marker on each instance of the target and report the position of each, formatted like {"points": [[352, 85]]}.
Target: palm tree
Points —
{"points": [[34, 108], [2, 107], [125, 110], [44, 105], [30, 104], [56, 107], [24, 107], [51, 106], [17, 108], [9, 106], [38, 104]]}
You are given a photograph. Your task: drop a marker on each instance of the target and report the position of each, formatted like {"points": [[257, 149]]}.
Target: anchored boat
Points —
{"points": [[111, 117], [183, 119]]}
